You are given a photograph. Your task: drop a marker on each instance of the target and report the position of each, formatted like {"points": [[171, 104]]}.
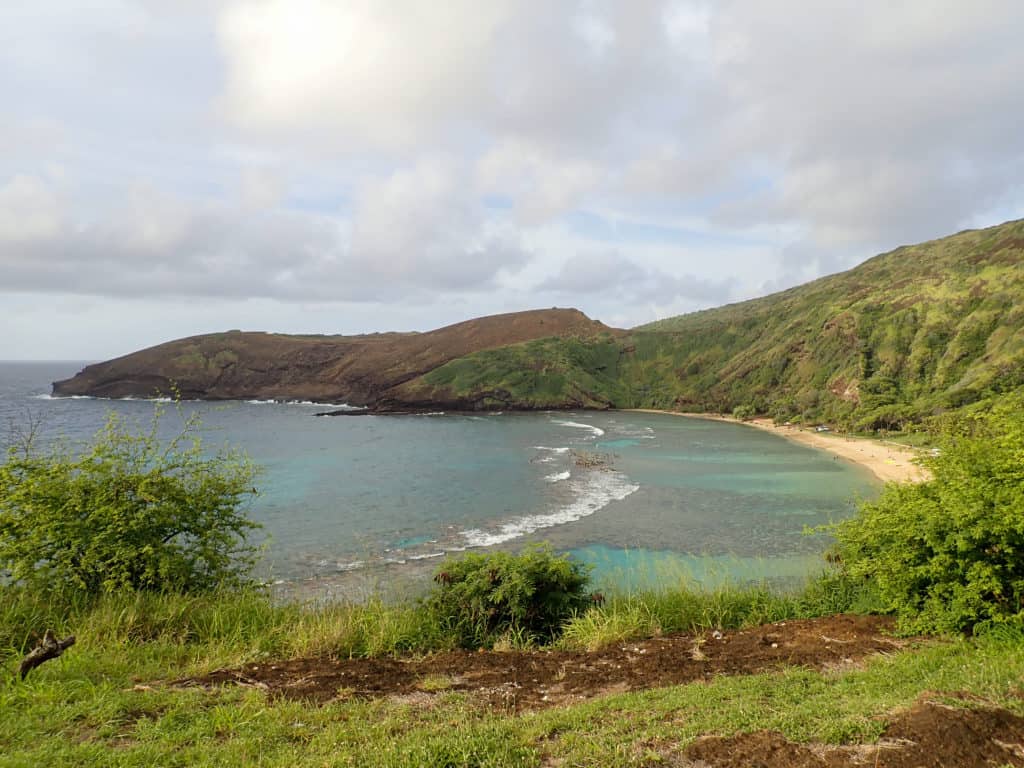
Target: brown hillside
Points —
{"points": [[353, 369]]}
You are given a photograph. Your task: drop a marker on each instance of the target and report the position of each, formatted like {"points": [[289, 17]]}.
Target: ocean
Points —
{"points": [[362, 503]]}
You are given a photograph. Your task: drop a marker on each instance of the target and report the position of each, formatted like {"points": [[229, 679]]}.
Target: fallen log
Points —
{"points": [[49, 648]]}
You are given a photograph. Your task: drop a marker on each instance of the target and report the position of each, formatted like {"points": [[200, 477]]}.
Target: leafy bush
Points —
{"points": [[480, 598], [130, 511], [744, 412], [949, 553]]}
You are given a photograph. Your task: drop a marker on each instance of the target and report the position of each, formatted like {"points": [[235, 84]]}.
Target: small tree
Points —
{"points": [[480, 597], [949, 553], [744, 412], [130, 511]]}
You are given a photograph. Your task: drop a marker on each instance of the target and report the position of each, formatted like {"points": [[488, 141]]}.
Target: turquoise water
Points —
{"points": [[645, 569], [370, 500]]}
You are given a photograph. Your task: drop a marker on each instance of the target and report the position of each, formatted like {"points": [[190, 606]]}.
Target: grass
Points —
{"points": [[102, 703], [654, 612], [916, 332]]}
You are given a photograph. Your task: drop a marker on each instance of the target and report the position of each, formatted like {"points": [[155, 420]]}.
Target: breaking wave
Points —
{"points": [[597, 431], [594, 492]]}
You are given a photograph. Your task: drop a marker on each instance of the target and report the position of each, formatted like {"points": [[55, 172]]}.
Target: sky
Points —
{"points": [[347, 166]]}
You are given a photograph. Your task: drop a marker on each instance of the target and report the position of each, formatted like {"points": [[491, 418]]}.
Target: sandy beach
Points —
{"points": [[888, 461]]}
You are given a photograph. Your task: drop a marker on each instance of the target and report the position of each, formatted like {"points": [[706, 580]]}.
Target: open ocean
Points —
{"points": [[369, 502]]}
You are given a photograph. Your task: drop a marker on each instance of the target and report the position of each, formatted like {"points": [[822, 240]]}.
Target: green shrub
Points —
{"points": [[949, 553], [744, 412], [481, 598], [130, 511]]}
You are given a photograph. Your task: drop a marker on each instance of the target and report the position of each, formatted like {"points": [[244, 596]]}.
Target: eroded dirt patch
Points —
{"points": [[516, 681], [929, 735]]}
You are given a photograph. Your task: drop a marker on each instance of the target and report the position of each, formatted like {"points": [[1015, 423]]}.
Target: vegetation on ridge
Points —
{"points": [[915, 332]]}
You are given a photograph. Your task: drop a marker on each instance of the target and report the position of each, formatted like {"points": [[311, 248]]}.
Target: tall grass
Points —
{"points": [[683, 609], [239, 625], [220, 627]]}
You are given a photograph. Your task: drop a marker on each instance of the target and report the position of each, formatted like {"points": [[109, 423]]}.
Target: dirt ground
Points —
{"points": [[932, 734], [516, 681], [929, 735]]}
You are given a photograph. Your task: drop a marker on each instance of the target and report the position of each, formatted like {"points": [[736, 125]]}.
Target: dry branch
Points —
{"points": [[49, 648]]}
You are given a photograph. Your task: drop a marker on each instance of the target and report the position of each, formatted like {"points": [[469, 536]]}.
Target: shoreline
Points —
{"points": [[888, 462]]}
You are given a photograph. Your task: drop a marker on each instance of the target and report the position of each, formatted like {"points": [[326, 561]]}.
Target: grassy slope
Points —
{"points": [[99, 706], [923, 328]]}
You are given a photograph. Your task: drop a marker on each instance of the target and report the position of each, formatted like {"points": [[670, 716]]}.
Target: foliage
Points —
{"points": [[96, 706], [481, 598], [884, 346], [744, 412], [682, 609], [949, 554], [129, 511]]}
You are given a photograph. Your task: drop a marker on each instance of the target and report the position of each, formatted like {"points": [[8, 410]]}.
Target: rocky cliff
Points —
{"points": [[359, 370]]}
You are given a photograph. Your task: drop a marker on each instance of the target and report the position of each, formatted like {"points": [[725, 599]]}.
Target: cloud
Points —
{"points": [[376, 73], [421, 222], [409, 236], [542, 183], [404, 75], [422, 153], [29, 210], [609, 273], [878, 127]]}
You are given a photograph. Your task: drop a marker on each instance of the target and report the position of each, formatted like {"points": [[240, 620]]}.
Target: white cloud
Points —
{"points": [[880, 126], [376, 73], [611, 274], [458, 156], [30, 210], [420, 225], [410, 234], [542, 183]]}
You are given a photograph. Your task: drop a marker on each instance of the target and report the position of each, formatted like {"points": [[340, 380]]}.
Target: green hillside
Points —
{"points": [[907, 334]]}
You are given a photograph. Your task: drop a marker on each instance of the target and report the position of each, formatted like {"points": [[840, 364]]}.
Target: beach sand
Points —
{"points": [[889, 462]]}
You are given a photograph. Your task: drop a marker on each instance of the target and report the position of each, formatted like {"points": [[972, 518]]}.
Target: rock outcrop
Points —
{"points": [[359, 370]]}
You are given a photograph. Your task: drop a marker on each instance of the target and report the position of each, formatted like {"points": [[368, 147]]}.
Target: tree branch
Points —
{"points": [[49, 648]]}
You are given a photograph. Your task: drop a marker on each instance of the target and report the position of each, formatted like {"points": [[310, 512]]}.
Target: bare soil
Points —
{"points": [[520, 680], [932, 734], [929, 735], [359, 370]]}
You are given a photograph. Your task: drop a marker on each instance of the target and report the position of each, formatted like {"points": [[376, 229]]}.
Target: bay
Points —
{"points": [[358, 503]]}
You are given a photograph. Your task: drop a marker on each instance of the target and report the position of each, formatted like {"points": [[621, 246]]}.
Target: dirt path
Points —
{"points": [[929, 735], [889, 462], [516, 681]]}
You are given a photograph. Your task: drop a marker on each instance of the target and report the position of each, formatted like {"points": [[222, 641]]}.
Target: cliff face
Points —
{"points": [[360, 370], [905, 335]]}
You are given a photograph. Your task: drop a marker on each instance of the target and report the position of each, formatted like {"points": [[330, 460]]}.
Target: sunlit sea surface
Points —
{"points": [[357, 503]]}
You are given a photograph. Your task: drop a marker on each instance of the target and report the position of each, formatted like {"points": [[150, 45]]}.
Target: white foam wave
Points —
{"points": [[557, 477], [553, 450], [428, 556], [130, 398], [342, 406], [596, 430], [596, 491]]}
